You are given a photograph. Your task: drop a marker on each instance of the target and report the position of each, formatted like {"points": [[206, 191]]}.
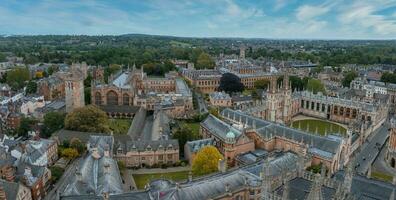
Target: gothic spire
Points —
{"points": [[285, 194], [266, 184], [316, 190]]}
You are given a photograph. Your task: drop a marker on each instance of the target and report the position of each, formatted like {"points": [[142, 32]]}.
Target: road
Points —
{"points": [[201, 104], [62, 182], [369, 150]]}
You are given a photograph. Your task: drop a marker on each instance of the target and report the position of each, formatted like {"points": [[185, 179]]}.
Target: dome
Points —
{"points": [[230, 134]]}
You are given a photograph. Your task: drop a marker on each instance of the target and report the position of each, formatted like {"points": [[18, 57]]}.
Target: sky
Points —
{"points": [[276, 19]]}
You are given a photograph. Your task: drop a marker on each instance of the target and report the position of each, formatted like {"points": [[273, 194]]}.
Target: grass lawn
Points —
{"points": [[194, 126], [381, 176], [142, 179], [120, 126]]}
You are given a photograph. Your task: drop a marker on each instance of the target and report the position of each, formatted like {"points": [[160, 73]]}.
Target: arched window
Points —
{"points": [[98, 98], [112, 98], [125, 99]]}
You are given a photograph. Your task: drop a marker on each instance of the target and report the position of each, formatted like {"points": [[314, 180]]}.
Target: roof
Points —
{"points": [[10, 189], [320, 145], [195, 146], [219, 128], [97, 174]]}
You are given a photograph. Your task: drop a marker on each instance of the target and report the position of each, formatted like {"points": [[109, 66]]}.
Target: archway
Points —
{"points": [[112, 98]]}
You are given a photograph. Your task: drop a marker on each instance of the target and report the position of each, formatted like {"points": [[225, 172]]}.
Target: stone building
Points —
{"points": [[391, 152], [227, 139], [14, 191], [134, 88], [74, 86], [332, 151], [191, 148], [220, 99], [97, 174], [51, 88]]}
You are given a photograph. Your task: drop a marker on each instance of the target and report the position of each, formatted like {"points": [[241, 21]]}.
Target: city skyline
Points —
{"points": [[277, 19]]}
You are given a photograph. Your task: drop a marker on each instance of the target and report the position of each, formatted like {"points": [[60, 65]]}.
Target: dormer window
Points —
{"points": [[148, 148]]}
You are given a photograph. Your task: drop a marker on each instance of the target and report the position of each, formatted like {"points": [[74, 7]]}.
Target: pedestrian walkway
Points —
{"points": [[160, 170]]}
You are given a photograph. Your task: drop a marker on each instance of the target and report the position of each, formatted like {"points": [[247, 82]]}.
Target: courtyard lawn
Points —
{"points": [[194, 127], [382, 176], [318, 126], [120, 126], [142, 179]]}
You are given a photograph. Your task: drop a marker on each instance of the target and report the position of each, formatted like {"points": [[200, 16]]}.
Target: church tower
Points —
{"points": [[272, 99], [242, 52], [74, 89], [391, 153], [287, 99]]}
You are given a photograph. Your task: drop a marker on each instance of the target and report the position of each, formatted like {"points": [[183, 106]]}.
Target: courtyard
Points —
{"points": [[317, 126]]}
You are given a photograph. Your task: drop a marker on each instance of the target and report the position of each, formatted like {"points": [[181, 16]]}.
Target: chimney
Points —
{"points": [[190, 177], [222, 165]]}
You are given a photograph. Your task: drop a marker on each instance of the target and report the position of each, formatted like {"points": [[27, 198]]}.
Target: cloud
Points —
{"points": [[365, 16], [307, 12], [279, 4]]}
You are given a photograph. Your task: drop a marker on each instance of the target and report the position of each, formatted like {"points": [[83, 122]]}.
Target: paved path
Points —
{"points": [[371, 148], [159, 170], [201, 104], [128, 182], [381, 165]]}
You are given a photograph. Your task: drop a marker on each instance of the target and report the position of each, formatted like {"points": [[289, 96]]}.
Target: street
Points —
{"points": [[201, 104], [369, 150]]}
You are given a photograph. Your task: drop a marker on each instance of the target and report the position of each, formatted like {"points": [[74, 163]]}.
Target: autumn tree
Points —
{"points": [[70, 153], [230, 83], [206, 161], [205, 61], [87, 119], [76, 144]]}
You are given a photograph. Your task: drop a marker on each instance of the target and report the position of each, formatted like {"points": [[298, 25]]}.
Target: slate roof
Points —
{"points": [[322, 146], [299, 189], [196, 145], [219, 128], [143, 145], [98, 174], [10, 188], [370, 189]]}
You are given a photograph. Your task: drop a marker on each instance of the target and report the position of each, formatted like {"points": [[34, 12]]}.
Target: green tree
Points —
{"points": [[53, 121], [184, 134], [348, 78], [16, 78], [315, 86], [70, 153], [206, 161], [2, 57], [31, 87], [75, 143], [388, 77], [56, 173], [296, 83], [205, 61], [25, 126], [88, 119], [261, 84], [230, 83]]}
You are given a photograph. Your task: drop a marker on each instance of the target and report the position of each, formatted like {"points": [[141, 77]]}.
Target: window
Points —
{"points": [[98, 99], [160, 157], [112, 98], [169, 156], [143, 158], [125, 99]]}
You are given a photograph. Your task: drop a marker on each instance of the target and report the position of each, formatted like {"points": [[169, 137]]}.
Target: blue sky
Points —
{"points": [[331, 19]]}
